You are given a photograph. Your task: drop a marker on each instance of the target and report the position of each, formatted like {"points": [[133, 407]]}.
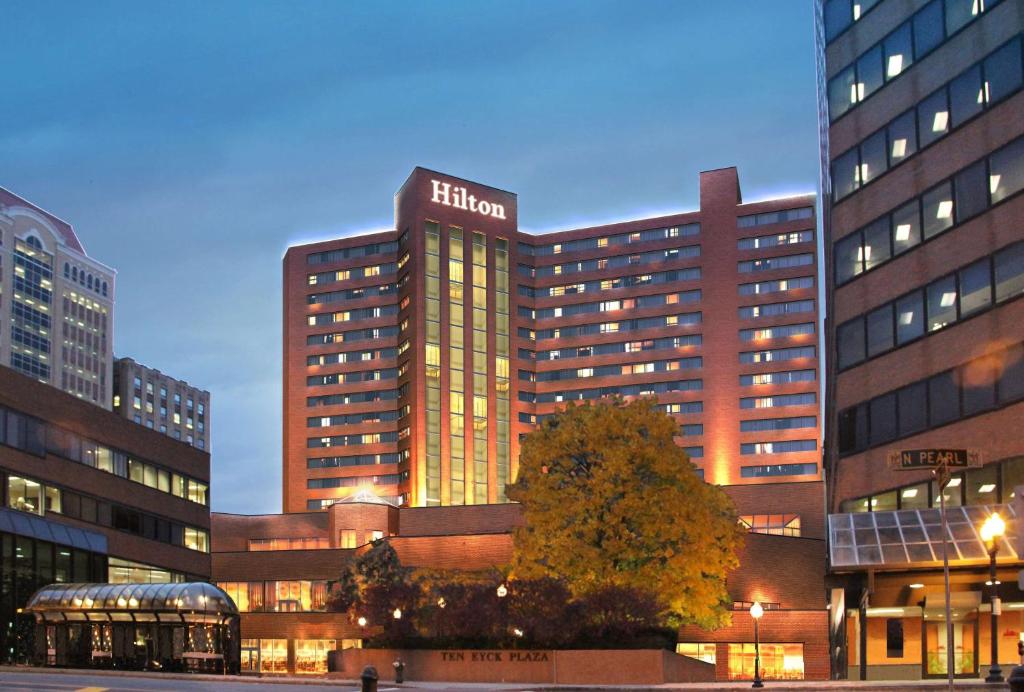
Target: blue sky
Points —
{"points": [[190, 143]]}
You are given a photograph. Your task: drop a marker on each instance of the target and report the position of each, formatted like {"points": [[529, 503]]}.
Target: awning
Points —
{"points": [[913, 537], [166, 602], [32, 526]]}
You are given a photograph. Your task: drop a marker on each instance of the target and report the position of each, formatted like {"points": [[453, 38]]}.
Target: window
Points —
{"points": [[902, 138], [971, 191], [894, 638], [1009, 272], [699, 651], [850, 341], [912, 403], [937, 208], [778, 470], [778, 661], [348, 538], [1007, 171], [909, 317], [880, 330], [943, 399], [966, 96], [975, 287], [311, 655], [1003, 74], [941, 303], [933, 117], [772, 524]]}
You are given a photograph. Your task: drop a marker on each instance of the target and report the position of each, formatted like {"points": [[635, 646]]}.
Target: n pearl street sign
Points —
{"points": [[914, 459]]}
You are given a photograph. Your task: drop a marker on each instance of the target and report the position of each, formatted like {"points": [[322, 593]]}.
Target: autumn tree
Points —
{"points": [[610, 500]]}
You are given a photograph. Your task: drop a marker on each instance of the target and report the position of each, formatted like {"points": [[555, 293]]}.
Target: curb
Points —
{"points": [[256, 679]]}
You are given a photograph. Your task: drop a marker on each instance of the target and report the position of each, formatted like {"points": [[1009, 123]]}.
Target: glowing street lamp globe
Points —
{"points": [[756, 611]]}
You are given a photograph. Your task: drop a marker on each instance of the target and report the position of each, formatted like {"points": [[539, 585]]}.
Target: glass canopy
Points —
{"points": [[909, 537], [170, 598]]}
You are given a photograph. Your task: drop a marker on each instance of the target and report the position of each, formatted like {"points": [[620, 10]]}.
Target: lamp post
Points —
{"points": [[756, 611], [991, 531]]}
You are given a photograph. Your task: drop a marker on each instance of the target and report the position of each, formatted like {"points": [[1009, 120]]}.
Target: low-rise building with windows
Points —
{"points": [[89, 497], [151, 398]]}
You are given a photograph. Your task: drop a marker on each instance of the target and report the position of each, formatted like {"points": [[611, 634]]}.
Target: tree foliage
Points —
{"points": [[610, 500]]}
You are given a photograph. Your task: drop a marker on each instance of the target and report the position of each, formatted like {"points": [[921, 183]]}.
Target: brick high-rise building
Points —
{"points": [[160, 402], [415, 358], [923, 152], [57, 306]]}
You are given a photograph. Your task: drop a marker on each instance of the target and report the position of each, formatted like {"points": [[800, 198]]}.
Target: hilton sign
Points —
{"points": [[459, 197]]}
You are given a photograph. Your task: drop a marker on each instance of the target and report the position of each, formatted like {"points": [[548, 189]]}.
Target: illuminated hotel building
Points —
{"points": [[56, 303], [414, 359], [923, 160]]}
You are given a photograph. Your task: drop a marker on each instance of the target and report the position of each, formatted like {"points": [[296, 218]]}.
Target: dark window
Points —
{"points": [[838, 16], [937, 208], [894, 638], [89, 509], [979, 386], [841, 93], [959, 13], [880, 330], [975, 287], [883, 418], [876, 243], [1007, 170], [909, 317], [869, 73], [1009, 272], [848, 258], [873, 161], [971, 187], [850, 338], [965, 96], [1011, 382], [845, 174], [912, 403], [943, 399], [1003, 73], [932, 118], [902, 138], [906, 227], [928, 28]]}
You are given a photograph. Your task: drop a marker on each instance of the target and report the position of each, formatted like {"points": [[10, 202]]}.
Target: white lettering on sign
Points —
{"points": [[459, 197]]}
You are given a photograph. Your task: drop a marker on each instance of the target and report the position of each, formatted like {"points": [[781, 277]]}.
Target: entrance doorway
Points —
{"points": [[964, 649]]}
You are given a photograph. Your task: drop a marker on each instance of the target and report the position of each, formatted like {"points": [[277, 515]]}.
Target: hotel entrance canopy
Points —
{"points": [[908, 538], [169, 602]]}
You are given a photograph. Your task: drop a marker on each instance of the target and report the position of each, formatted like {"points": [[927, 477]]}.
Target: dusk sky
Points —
{"points": [[189, 143]]}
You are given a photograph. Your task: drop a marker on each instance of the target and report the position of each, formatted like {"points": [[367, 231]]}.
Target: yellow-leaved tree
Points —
{"points": [[609, 499]]}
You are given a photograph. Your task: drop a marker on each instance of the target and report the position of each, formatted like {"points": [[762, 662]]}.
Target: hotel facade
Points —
{"points": [[415, 359], [923, 164]]}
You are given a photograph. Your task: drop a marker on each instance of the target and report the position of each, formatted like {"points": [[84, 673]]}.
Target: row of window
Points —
{"points": [[649, 389], [356, 481], [352, 419], [777, 286], [775, 309], [777, 332], [371, 334], [611, 284], [666, 342], [781, 377], [352, 274], [766, 241], [28, 495], [611, 262], [952, 202], [351, 377], [980, 385], [971, 290], [349, 440], [772, 524], [40, 438], [640, 323], [765, 264], [351, 315], [685, 230], [352, 294], [918, 36], [352, 398], [985, 83], [305, 543], [762, 424], [638, 303], [779, 447], [351, 253], [779, 400], [773, 355], [767, 470], [611, 370], [839, 15], [357, 460], [85, 279], [770, 217], [989, 485], [351, 357]]}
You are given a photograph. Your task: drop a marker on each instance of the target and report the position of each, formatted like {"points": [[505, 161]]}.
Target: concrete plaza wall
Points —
{"points": [[572, 667]]}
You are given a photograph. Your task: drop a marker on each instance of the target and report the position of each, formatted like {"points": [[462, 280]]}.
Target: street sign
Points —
{"points": [[916, 459]]}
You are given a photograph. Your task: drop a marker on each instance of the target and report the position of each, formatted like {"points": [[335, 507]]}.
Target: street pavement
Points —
{"points": [[61, 680]]}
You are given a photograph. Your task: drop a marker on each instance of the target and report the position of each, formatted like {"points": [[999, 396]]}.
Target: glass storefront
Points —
{"points": [[778, 661], [311, 655]]}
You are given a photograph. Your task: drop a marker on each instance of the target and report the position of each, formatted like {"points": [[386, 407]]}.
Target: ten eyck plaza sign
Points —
{"points": [[459, 197]]}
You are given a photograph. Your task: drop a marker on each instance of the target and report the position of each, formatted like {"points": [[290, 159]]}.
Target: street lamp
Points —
{"points": [[756, 611], [502, 591], [361, 621], [991, 531], [397, 613]]}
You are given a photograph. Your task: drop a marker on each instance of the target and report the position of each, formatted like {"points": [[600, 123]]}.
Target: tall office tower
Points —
{"points": [[56, 303], [160, 402], [924, 160], [416, 358]]}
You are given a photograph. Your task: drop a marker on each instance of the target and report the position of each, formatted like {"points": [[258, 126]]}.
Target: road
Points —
{"points": [[23, 681]]}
